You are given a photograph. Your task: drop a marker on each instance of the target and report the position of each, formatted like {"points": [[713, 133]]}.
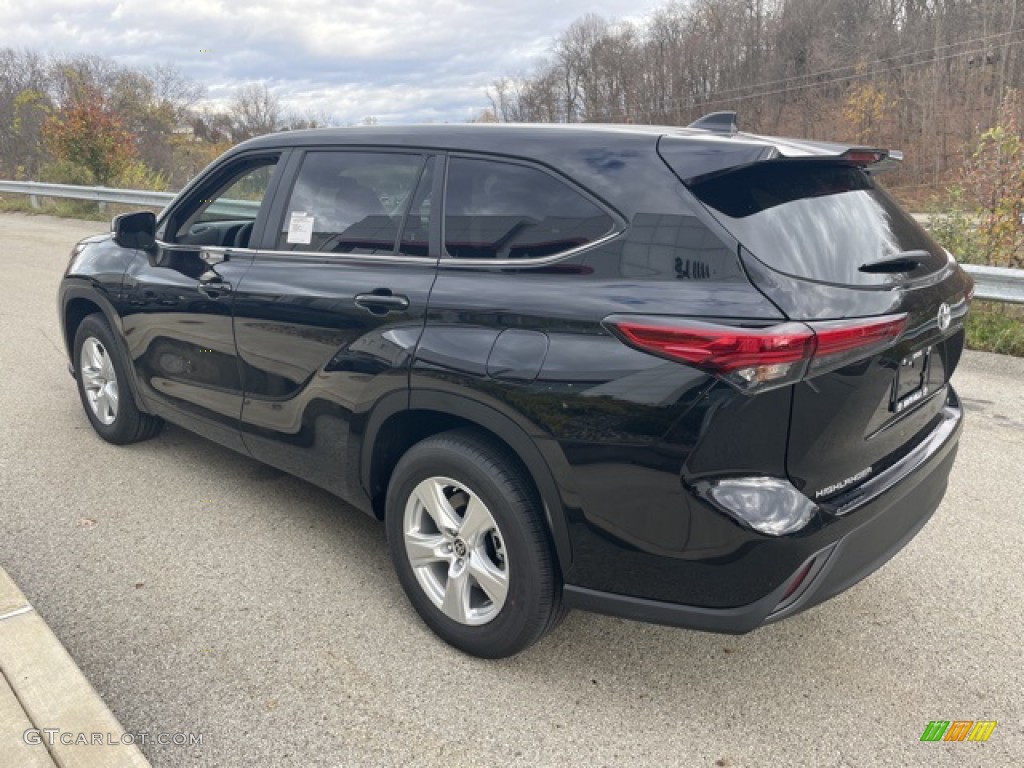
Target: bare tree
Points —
{"points": [[922, 75], [254, 111]]}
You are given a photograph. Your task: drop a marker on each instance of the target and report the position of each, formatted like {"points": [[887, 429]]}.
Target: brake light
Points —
{"points": [[758, 358], [865, 157], [841, 342]]}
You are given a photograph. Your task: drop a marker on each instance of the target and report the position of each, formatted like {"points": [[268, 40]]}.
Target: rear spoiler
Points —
{"points": [[722, 128]]}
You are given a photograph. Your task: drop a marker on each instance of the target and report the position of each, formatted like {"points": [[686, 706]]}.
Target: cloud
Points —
{"points": [[398, 60]]}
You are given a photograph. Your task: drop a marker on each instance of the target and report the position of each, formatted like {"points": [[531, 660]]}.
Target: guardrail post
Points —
{"points": [[33, 200]]}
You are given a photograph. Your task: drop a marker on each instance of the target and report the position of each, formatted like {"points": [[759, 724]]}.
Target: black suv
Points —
{"points": [[683, 375]]}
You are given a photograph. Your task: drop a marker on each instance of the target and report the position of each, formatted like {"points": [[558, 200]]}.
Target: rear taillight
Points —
{"points": [[840, 342], [758, 358]]}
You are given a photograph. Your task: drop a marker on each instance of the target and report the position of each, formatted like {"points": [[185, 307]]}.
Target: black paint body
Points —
{"points": [[286, 367]]}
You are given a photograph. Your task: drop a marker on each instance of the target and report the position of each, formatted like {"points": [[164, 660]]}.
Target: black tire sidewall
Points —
{"points": [[527, 609]]}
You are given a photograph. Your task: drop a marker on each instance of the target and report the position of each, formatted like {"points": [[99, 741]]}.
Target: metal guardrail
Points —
{"points": [[991, 283], [997, 283], [36, 189], [141, 197]]}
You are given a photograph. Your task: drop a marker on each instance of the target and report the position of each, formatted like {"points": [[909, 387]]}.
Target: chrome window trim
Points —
{"points": [[443, 263], [302, 255], [209, 248], [450, 262]]}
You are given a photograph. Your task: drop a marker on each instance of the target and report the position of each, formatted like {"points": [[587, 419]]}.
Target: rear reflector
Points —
{"points": [[758, 358], [795, 584]]}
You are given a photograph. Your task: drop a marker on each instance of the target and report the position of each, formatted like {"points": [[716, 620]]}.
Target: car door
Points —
{"points": [[178, 297], [329, 313]]}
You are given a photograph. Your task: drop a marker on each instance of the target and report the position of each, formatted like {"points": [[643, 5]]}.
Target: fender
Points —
{"points": [[537, 463], [87, 290]]}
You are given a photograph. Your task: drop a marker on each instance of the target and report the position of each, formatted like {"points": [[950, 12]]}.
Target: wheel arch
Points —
{"points": [[78, 303], [396, 426]]}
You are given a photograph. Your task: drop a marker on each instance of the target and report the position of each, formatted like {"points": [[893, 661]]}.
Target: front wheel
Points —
{"points": [[103, 386], [470, 546]]}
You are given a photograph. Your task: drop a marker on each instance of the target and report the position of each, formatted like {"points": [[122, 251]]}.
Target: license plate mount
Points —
{"points": [[912, 380]]}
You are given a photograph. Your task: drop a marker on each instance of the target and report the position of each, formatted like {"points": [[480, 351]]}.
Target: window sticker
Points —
{"points": [[300, 227]]}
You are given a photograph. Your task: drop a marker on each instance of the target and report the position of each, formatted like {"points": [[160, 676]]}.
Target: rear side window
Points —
{"points": [[349, 202], [497, 210], [816, 220]]}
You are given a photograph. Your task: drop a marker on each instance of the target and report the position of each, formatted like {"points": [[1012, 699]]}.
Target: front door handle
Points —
{"points": [[213, 285], [381, 301]]}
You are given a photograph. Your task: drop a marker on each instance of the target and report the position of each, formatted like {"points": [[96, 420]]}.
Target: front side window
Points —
{"points": [[349, 202], [497, 210], [222, 213]]}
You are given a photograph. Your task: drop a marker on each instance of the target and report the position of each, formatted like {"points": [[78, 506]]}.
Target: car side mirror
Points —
{"points": [[135, 230]]}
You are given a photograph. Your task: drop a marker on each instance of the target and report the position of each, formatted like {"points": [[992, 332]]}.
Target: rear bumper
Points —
{"points": [[874, 523]]}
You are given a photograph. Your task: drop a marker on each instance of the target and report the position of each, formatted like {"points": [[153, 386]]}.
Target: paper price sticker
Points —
{"points": [[300, 227]]}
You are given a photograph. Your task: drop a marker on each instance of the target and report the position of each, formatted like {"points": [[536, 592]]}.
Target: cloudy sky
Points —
{"points": [[397, 60]]}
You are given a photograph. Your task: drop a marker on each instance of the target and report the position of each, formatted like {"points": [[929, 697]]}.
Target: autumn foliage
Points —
{"points": [[87, 133], [994, 177]]}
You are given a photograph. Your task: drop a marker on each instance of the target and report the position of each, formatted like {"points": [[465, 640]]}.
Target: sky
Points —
{"points": [[399, 61]]}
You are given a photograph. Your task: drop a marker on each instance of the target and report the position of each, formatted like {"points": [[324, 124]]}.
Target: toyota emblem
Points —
{"points": [[945, 316]]}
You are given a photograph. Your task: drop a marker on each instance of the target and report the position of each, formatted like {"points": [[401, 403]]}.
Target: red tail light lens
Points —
{"points": [[865, 157], [758, 358], [841, 342], [748, 357]]}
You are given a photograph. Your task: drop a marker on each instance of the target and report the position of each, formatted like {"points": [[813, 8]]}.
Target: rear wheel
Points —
{"points": [[470, 546], [103, 386]]}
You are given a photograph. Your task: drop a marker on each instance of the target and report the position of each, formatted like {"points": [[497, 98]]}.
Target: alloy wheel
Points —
{"points": [[456, 551], [99, 380]]}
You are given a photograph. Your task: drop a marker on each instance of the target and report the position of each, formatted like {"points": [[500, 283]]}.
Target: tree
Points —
{"points": [[31, 109], [254, 111], [994, 176], [24, 104], [88, 134]]}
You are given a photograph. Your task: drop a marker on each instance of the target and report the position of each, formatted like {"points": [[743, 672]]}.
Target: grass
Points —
{"points": [[996, 327], [68, 209]]}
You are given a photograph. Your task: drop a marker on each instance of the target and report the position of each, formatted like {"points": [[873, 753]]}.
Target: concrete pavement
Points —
{"points": [[50, 717]]}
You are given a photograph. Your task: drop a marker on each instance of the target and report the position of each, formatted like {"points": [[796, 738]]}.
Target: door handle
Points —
{"points": [[211, 284], [381, 301]]}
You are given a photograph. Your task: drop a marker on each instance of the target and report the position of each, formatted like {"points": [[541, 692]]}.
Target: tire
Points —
{"points": [[104, 388], [486, 582]]}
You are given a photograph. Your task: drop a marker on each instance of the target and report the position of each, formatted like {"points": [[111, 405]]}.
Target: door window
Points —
{"points": [[351, 202], [223, 213], [497, 210]]}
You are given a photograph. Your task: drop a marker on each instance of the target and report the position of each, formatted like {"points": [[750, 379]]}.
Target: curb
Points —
{"points": [[41, 687]]}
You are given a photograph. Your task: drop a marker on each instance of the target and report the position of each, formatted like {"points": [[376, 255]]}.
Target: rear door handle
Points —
{"points": [[381, 301]]}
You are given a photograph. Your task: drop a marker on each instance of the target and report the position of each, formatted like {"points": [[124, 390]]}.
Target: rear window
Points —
{"points": [[817, 220], [498, 210]]}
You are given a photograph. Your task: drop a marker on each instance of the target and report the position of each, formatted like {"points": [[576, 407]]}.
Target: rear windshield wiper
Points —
{"points": [[906, 261]]}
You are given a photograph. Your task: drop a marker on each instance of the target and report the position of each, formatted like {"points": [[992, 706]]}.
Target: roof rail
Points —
{"points": [[717, 122]]}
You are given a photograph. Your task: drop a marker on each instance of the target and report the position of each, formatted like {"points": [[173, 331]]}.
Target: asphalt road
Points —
{"points": [[202, 592]]}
